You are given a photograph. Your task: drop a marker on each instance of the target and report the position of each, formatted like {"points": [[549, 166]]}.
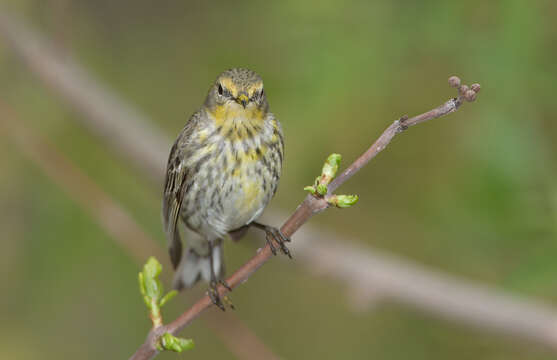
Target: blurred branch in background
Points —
{"points": [[365, 271], [116, 221], [104, 114]]}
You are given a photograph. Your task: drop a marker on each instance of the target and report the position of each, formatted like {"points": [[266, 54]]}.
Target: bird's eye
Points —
{"points": [[220, 90]]}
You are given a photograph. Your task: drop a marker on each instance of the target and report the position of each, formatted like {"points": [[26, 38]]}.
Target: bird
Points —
{"points": [[222, 171]]}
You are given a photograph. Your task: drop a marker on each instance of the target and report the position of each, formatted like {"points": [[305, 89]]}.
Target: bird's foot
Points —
{"points": [[272, 233], [216, 298]]}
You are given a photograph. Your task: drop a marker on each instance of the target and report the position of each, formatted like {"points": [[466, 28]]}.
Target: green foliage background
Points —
{"points": [[474, 194]]}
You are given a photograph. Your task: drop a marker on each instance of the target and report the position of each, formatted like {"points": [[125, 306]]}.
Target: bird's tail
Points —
{"points": [[196, 264]]}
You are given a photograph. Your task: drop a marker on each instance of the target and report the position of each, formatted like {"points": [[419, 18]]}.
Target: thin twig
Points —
{"points": [[396, 127], [117, 119]]}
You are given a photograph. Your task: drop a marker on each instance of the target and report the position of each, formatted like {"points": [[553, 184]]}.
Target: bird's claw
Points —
{"points": [[225, 284], [272, 233], [213, 293]]}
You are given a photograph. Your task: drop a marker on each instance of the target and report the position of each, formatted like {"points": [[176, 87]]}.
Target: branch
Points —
{"points": [[312, 205], [372, 275], [116, 121]]}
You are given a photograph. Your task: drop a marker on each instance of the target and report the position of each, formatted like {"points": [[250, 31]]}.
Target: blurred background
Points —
{"points": [[471, 198]]}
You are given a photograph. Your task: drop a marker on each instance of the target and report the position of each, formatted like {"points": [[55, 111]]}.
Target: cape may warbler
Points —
{"points": [[222, 171]]}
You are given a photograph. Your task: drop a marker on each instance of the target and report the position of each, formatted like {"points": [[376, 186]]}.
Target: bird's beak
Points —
{"points": [[242, 99]]}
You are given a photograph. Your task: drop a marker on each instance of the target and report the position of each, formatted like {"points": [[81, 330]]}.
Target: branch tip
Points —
{"points": [[454, 81], [470, 95]]}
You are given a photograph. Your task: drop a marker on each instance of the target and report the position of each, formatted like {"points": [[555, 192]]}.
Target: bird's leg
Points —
{"points": [[213, 291], [272, 233]]}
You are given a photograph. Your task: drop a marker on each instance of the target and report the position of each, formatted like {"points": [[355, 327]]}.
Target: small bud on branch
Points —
{"points": [[170, 342], [320, 188], [454, 81]]}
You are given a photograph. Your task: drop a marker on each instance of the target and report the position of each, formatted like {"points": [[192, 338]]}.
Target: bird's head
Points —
{"points": [[237, 91]]}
